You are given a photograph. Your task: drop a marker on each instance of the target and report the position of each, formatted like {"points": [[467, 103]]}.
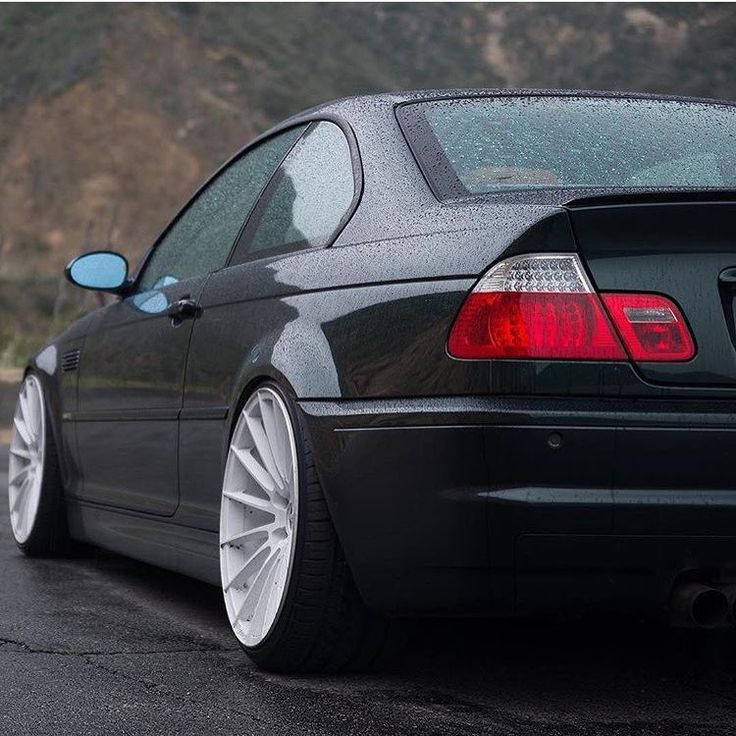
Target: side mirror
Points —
{"points": [[100, 271]]}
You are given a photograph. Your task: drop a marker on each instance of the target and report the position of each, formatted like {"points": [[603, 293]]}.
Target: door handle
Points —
{"points": [[185, 308]]}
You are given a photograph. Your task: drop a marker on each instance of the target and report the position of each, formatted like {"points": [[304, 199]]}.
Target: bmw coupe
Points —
{"points": [[464, 352]]}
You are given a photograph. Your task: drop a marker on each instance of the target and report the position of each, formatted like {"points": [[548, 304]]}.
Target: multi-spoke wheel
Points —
{"points": [[27, 446], [288, 592], [34, 487], [259, 504]]}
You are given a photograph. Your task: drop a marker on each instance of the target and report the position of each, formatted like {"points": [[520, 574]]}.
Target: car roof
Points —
{"points": [[354, 103]]}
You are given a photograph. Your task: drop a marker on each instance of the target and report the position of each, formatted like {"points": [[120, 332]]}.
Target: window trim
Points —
{"points": [[264, 196], [425, 147]]}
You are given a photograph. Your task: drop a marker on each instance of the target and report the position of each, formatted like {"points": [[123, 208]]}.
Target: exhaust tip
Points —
{"points": [[701, 605], [710, 608]]}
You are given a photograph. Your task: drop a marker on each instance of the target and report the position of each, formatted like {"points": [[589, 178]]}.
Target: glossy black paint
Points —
{"points": [[488, 479], [455, 486], [130, 380], [678, 249]]}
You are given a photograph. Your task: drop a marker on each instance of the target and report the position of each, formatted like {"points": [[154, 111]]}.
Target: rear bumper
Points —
{"points": [[506, 506]]}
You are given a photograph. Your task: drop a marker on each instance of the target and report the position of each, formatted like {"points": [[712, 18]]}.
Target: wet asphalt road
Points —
{"points": [[106, 645]]}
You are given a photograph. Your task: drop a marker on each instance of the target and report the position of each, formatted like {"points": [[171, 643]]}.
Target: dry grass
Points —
{"points": [[11, 375]]}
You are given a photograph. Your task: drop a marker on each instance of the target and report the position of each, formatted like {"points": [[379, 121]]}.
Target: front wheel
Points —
{"points": [[35, 491], [289, 595]]}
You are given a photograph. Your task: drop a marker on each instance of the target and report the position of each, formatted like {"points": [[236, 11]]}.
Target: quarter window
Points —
{"points": [[306, 201], [200, 241]]}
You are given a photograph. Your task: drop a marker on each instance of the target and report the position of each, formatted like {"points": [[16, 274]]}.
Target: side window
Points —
{"points": [[201, 239], [308, 197]]}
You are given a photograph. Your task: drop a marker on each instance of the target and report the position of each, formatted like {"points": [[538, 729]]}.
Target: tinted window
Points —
{"points": [[201, 239], [308, 197], [494, 144]]}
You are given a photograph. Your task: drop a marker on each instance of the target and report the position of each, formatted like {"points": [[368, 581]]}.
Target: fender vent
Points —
{"points": [[70, 361]]}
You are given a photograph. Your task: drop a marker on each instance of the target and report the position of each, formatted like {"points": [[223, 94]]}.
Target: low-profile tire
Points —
{"points": [[35, 491], [289, 594]]}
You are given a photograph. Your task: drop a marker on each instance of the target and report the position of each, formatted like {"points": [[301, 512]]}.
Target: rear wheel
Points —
{"points": [[289, 595], [35, 490]]}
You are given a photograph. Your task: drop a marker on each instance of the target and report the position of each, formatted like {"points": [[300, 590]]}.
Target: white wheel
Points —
{"points": [[27, 457], [258, 517]]}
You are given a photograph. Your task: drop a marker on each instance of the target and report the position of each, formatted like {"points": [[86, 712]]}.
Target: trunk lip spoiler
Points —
{"points": [[661, 196]]}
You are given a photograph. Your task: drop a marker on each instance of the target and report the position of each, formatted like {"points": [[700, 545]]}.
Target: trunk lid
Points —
{"points": [[685, 250]]}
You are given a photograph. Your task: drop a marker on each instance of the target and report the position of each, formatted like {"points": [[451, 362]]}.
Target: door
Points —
{"points": [[131, 372]]}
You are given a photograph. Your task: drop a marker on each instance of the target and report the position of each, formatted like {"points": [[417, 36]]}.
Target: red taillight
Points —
{"points": [[651, 326], [534, 326], [543, 307]]}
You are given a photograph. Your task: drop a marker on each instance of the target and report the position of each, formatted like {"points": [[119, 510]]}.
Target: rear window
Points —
{"points": [[495, 144]]}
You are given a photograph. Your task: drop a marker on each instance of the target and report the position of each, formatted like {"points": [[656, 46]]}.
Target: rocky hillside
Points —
{"points": [[111, 114]]}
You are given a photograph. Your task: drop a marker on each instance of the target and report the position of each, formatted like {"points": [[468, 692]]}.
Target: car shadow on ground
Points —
{"points": [[565, 659], [601, 677]]}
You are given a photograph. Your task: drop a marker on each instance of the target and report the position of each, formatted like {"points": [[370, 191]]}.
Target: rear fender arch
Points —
{"points": [[297, 357]]}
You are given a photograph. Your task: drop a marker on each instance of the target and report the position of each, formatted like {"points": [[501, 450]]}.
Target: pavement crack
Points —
{"points": [[24, 647], [4, 641], [158, 689]]}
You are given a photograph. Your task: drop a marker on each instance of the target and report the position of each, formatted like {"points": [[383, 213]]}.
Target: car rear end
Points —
{"points": [[612, 499], [599, 469]]}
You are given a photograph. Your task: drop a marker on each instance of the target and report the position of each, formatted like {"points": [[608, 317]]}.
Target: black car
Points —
{"points": [[433, 353]]}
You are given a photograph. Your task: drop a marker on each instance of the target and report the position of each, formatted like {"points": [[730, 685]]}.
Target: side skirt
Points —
{"points": [[185, 550]]}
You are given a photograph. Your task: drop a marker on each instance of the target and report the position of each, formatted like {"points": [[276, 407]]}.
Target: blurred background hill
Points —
{"points": [[110, 115]]}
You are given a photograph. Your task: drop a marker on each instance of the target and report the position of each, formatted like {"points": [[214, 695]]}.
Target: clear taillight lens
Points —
{"points": [[543, 307], [651, 326]]}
